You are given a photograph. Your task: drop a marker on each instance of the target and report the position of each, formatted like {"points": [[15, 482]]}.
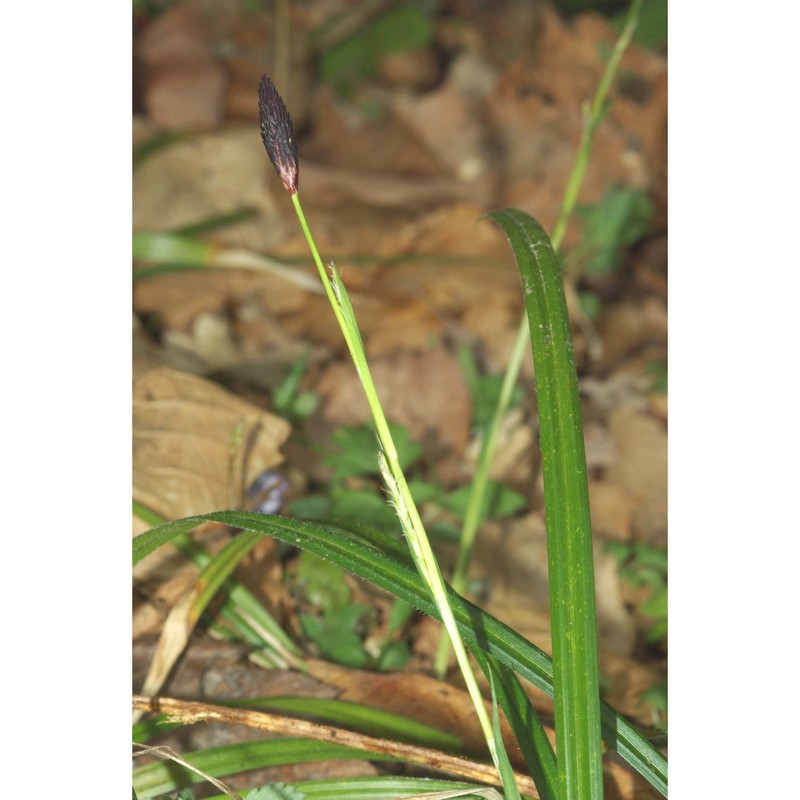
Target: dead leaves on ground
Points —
{"points": [[396, 198]]}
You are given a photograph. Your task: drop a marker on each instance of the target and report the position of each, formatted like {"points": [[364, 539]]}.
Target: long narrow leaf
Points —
{"points": [[398, 577], [165, 776], [384, 787], [355, 717], [183, 617], [521, 715], [566, 504]]}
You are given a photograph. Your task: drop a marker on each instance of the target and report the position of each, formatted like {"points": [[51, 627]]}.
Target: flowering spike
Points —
{"points": [[277, 134]]}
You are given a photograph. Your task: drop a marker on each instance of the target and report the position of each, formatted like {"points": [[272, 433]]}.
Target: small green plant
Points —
{"points": [[338, 634], [643, 566], [289, 400], [619, 220], [338, 626], [402, 29], [354, 493], [658, 371]]}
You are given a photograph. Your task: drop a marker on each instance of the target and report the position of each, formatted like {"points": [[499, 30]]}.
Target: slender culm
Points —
{"points": [[277, 134]]}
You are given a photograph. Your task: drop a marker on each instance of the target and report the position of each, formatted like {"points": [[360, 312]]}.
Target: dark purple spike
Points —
{"points": [[277, 134]]}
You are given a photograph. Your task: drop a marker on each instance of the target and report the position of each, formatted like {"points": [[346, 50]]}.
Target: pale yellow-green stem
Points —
{"points": [[394, 478]]}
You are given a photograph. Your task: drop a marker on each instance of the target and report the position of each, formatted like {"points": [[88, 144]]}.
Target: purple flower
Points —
{"points": [[277, 134]]}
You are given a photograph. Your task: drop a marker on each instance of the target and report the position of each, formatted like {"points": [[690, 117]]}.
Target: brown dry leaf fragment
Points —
{"points": [[206, 176], [185, 460], [185, 86], [415, 71], [174, 636], [330, 186], [209, 341], [412, 695], [641, 470], [398, 324], [447, 122], [536, 117], [616, 627], [612, 510], [456, 230], [190, 96], [424, 391], [515, 459], [628, 327], [512, 558], [626, 679]]}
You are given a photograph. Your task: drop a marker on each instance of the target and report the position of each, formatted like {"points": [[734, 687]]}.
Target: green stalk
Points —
{"points": [[397, 485], [480, 481], [278, 136]]}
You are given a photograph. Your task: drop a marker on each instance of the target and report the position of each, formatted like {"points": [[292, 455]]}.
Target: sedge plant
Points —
{"points": [[413, 574], [278, 136]]}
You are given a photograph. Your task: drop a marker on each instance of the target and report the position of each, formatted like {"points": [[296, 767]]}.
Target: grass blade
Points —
{"points": [[378, 561], [184, 616], [593, 116], [245, 613], [378, 788], [521, 715], [566, 501], [293, 728], [162, 777], [353, 716]]}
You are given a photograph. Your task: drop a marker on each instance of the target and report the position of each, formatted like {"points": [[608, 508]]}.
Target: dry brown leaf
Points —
{"points": [[641, 470], [657, 405], [185, 86], [415, 71], [424, 391], [184, 458], [626, 679], [174, 636], [401, 324], [616, 628], [512, 558], [209, 175], [413, 695], [515, 459], [452, 230], [329, 185], [447, 122], [626, 327], [612, 510]]}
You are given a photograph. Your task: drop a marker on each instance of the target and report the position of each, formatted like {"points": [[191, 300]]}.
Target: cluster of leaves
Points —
{"points": [[354, 494], [402, 29], [644, 566]]}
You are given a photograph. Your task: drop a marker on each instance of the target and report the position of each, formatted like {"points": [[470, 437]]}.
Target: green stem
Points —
{"points": [[397, 485]]}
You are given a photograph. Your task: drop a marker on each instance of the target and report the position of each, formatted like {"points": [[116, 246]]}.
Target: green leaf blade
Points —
{"points": [[569, 534], [381, 560]]}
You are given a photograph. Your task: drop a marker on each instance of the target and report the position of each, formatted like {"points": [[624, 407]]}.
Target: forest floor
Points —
{"points": [[401, 154]]}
